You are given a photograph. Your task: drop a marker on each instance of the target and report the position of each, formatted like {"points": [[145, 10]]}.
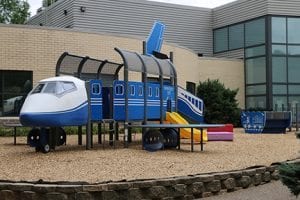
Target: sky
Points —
{"points": [[35, 4]]}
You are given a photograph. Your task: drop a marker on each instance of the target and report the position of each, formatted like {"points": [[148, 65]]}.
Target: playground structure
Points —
{"points": [[224, 133], [266, 121], [87, 90]]}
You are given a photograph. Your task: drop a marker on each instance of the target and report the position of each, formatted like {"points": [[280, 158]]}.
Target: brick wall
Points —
{"points": [[38, 48]]}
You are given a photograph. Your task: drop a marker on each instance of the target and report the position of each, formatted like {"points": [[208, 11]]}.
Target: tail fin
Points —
{"points": [[155, 39]]}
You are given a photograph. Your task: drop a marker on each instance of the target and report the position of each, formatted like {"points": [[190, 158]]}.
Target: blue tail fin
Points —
{"points": [[155, 39]]}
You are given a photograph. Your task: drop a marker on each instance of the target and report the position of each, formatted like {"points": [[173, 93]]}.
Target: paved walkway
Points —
{"points": [[271, 191]]}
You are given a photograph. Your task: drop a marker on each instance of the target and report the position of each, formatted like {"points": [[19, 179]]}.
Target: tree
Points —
{"points": [[14, 11], [47, 3], [289, 174], [220, 103]]}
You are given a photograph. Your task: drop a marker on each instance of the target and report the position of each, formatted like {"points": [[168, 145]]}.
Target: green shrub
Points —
{"points": [[220, 104]]}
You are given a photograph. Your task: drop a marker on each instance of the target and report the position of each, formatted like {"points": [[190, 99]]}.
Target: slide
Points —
{"points": [[185, 133]]}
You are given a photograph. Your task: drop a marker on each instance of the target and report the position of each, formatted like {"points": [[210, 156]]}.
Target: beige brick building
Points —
{"points": [[36, 49]]}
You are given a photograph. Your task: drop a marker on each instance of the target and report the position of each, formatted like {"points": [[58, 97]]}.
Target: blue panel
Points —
{"points": [[153, 101], [155, 38], [96, 100], [74, 117], [135, 101], [184, 108], [253, 122], [168, 98]]}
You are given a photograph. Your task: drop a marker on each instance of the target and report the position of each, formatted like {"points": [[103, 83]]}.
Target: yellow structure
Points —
{"points": [[185, 133]]}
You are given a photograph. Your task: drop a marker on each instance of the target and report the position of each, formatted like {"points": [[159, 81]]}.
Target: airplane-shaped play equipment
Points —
{"points": [[87, 90]]}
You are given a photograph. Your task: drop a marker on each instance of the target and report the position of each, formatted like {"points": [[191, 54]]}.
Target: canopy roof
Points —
{"points": [[85, 67], [90, 68], [147, 64]]}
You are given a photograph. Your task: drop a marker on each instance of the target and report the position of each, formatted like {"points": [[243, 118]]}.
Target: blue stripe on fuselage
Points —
{"points": [[73, 117]]}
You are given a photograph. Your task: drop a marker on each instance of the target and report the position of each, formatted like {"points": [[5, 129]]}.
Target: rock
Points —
{"points": [[213, 186], [229, 183], [7, 195]]}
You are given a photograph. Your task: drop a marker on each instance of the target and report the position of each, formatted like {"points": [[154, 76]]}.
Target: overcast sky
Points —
{"points": [[35, 4]]}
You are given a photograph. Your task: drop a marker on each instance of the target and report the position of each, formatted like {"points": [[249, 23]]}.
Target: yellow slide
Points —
{"points": [[185, 133]]}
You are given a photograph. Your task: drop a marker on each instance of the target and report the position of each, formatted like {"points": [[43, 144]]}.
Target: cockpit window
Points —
{"points": [[56, 88], [38, 88], [63, 87], [50, 88]]}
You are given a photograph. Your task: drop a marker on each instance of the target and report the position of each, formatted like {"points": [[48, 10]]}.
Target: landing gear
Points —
{"points": [[45, 139]]}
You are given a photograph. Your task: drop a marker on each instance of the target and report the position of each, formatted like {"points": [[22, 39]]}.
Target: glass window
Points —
{"points": [[221, 40], [95, 88], [236, 36], [279, 102], [256, 70], [255, 32], [150, 92], [278, 29], [50, 88], [38, 88], [157, 92], [294, 50], [293, 30], [279, 70], [279, 49], [294, 100], [294, 89], [280, 89], [256, 89], [293, 70], [132, 90], [255, 51], [15, 81], [140, 91], [119, 90], [14, 87], [256, 102], [191, 87]]}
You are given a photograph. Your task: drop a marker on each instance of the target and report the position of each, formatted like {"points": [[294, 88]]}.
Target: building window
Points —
{"points": [[255, 32], [191, 87], [278, 29], [255, 70], [279, 50], [293, 30], [293, 70], [236, 36], [258, 102], [279, 89], [14, 87], [256, 89], [279, 71], [279, 103], [255, 51], [294, 50], [221, 40]]}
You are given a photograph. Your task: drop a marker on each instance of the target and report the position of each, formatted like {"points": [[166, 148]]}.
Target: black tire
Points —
{"points": [[33, 137], [46, 148], [153, 140], [170, 137], [62, 137]]}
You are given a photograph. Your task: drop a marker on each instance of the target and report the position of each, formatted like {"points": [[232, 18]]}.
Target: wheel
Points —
{"points": [[33, 137], [62, 136], [46, 148], [153, 140], [170, 138], [37, 149]]}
